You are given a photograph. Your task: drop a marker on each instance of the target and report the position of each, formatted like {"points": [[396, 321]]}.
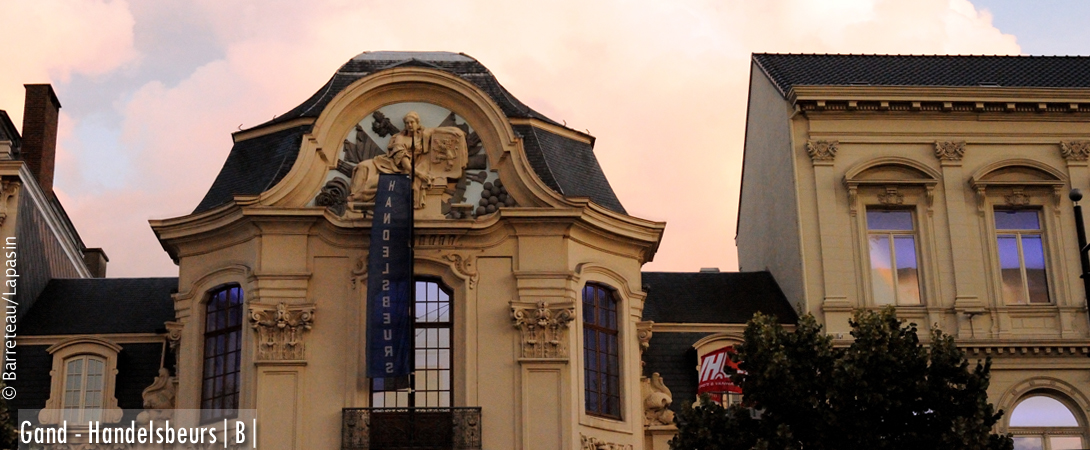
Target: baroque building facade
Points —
{"points": [[529, 322], [938, 185]]}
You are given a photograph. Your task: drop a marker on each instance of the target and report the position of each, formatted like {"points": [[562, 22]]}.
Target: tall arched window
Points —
{"points": [[433, 363], [1041, 422], [601, 358], [222, 354]]}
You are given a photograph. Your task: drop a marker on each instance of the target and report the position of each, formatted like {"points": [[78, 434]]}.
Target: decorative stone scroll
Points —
{"points": [[160, 395], [822, 151], [593, 443], [280, 330], [334, 195], [465, 266], [543, 330], [1075, 150], [174, 339], [8, 188], [643, 333], [950, 150], [656, 401]]}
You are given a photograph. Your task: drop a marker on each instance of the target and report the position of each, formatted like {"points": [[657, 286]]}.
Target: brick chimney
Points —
{"points": [[40, 133]]}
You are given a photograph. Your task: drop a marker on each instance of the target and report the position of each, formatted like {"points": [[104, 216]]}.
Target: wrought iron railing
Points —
{"points": [[411, 428]]}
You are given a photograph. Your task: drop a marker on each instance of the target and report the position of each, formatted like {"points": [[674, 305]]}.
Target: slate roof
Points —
{"points": [[789, 70], [8, 131], [100, 306], [713, 297], [566, 165]]}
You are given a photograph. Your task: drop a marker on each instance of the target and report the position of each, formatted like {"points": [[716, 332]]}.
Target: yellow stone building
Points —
{"points": [[938, 184]]}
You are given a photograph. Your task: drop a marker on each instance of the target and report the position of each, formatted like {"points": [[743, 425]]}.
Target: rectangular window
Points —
{"points": [[891, 237], [601, 355], [430, 381], [1021, 256]]}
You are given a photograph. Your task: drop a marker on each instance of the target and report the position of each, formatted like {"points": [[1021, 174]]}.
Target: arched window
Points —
{"points": [[433, 363], [222, 354], [601, 358], [84, 385], [1041, 422]]}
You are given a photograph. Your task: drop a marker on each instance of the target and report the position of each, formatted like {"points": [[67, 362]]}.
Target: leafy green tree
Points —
{"points": [[884, 391]]}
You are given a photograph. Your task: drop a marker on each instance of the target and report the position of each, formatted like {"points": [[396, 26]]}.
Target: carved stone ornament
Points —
{"points": [[280, 330], [1075, 150], [891, 197], [8, 188], [440, 154], [1017, 198], [466, 266], [174, 339], [656, 401], [543, 330], [949, 150], [593, 443], [334, 196], [160, 395], [822, 150], [643, 333]]}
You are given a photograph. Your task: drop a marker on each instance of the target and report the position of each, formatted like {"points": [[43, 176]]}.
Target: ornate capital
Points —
{"points": [[280, 330], [656, 401], [950, 150], [1075, 150], [593, 443], [824, 151], [543, 330]]}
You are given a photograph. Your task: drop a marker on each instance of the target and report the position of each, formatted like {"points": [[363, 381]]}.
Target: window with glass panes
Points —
{"points": [[222, 354], [84, 382], [430, 383], [1041, 422], [895, 276], [1021, 251], [601, 358]]}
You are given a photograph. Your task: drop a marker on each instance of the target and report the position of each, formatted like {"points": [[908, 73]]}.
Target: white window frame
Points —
{"points": [[82, 347]]}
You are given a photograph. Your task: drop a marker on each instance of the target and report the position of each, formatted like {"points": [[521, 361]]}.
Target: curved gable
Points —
{"points": [[263, 156]]}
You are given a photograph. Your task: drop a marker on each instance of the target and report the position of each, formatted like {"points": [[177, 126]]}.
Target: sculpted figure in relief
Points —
{"points": [[440, 154]]}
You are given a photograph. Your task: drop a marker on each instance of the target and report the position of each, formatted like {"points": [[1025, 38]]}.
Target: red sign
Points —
{"points": [[713, 374]]}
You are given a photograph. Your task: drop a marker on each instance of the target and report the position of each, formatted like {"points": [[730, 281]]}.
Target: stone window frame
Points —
{"points": [[998, 186], [894, 183], [80, 346]]}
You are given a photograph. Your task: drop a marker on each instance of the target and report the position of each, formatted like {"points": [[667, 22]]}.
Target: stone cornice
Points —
{"points": [[973, 94]]}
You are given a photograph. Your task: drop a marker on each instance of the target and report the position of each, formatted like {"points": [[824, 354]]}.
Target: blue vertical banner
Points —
{"points": [[389, 280]]}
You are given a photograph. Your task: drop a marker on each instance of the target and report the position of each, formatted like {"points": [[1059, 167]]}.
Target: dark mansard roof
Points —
{"points": [[790, 70], [565, 165], [101, 306]]}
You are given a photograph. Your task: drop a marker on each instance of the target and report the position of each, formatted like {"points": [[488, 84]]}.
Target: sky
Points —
{"points": [[152, 89]]}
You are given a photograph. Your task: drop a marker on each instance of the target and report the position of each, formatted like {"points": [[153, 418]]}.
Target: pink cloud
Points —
{"points": [[662, 85]]}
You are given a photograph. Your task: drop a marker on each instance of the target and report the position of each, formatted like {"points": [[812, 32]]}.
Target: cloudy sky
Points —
{"points": [[152, 89]]}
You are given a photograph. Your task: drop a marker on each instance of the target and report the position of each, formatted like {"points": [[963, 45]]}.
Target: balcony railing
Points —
{"points": [[411, 428]]}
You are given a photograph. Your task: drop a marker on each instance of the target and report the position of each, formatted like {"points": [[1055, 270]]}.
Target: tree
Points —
{"points": [[884, 391]]}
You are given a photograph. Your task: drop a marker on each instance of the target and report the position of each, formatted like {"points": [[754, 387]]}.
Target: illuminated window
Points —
{"points": [[601, 371], [891, 236], [222, 354], [84, 383], [1021, 256], [433, 371], [1041, 422]]}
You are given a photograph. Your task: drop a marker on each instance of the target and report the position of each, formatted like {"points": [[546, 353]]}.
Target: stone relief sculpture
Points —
{"points": [[543, 329], [440, 154], [452, 177], [593, 443]]}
